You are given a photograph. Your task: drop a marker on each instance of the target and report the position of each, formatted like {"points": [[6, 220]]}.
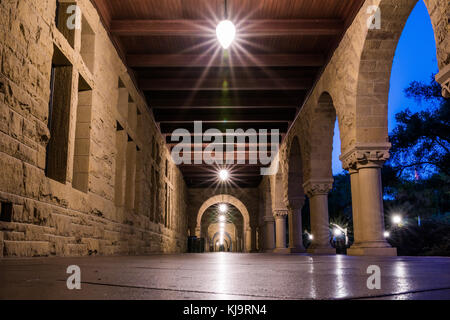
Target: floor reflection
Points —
{"points": [[222, 276], [401, 274], [340, 288]]}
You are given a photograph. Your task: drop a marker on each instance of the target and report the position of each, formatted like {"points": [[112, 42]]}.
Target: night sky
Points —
{"points": [[415, 59]]}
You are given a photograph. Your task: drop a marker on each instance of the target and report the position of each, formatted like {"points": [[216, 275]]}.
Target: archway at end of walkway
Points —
{"points": [[227, 244], [239, 205]]}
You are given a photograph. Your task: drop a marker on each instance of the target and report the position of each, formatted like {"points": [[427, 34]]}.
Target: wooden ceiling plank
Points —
{"points": [[188, 60], [224, 84], [204, 28]]}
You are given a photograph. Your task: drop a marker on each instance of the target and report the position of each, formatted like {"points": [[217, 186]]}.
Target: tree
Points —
{"points": [[421, 141]]}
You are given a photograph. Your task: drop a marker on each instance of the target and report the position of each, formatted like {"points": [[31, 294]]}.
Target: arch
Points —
{"points": [[296, 194], [268, 200], [230, 245], [377, 55], [226, 198], [322, 132], [278, 195]]}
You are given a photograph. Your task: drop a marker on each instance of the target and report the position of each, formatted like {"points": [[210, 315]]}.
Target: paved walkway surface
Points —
{"points": [[226, 276]]}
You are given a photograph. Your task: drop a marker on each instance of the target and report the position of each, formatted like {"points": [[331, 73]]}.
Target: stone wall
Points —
{"points": [[117, 196]]}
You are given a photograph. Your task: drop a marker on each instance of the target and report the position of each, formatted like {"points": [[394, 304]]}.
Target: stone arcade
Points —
{"points": [[86, 116]]}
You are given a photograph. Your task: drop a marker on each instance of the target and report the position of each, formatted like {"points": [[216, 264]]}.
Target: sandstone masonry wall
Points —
{"points": [[53, 218]]}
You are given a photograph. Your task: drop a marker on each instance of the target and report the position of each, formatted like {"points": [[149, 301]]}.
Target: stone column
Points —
{"points": [[317, 191], [367, 197], [354, 181], [280, 232], [197, 232], [248, 240], [207, 243], [253, 240], [269, 234], [295, 226]]}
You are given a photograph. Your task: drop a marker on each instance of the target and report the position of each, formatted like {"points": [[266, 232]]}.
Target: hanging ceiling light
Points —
{"points": [[223, 208], [226, 31], [224, 175]]}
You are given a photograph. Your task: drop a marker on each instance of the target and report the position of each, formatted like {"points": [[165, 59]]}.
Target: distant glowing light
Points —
{"points": [[337, 232], [311, 237], [397, 219], [222, 219], [387, 234], [226, 32], [224, 175], [223, 208]]}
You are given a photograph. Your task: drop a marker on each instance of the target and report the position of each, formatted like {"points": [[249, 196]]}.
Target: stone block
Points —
{"points": [[26, 248]]}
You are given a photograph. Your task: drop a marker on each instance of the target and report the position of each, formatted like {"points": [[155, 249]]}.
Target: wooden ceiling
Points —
{"points": [[261, 82]]}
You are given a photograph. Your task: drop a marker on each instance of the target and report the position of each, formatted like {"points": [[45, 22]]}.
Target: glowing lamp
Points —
{"points": [[223, 208], [224, 175], [397, 219], [226, 32]]}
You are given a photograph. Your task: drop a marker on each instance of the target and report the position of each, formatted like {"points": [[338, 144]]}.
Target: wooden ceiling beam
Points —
{"points": [[249, 28], [247, 146], [241, 108], [255, 60], [224, 84], [277, 116]]}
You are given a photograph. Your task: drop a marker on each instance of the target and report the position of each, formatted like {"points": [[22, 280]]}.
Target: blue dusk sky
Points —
{"points": [[415, 60]]}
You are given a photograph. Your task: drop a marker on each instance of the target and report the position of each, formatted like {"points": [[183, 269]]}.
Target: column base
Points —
{"points": [[372, 248], [322, 251], [368, 251], [268, 250], [297, 250], [281, 251]]}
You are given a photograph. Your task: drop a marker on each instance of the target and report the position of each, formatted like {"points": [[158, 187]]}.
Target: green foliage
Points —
{"points": [[421, 141]]}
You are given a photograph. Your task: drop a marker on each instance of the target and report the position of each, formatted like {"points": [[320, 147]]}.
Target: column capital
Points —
{"points": [[366, 156], [277, 213], [297, 203], [316, 187], [443, 78]]}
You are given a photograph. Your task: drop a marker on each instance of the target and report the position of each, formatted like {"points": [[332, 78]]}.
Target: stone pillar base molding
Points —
{"points": [[281, 251], [297, 250], [371, 251], [372, 248], [322, 251]]}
